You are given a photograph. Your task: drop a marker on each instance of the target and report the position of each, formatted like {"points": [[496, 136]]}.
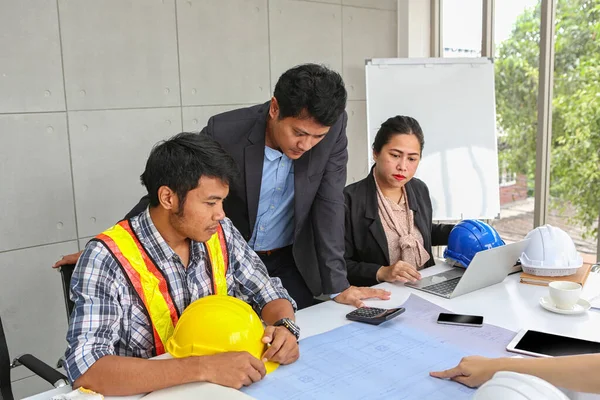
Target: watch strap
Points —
{"points": [[290, 326]]}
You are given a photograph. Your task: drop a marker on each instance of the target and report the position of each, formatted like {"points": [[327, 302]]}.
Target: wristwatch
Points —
{"points": [[290, 326]]}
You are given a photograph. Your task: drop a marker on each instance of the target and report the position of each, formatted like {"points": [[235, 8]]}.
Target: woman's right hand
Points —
{"points": [[68, 259], [399, 272]]}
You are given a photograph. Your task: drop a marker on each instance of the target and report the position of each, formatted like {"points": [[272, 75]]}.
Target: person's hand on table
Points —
{"points": [[233, 369], [354, 296], [472, 371], [283, 347], [399, 272]]}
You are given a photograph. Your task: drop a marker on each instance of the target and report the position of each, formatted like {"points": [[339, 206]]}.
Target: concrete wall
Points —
{"points": [[88, 86]]}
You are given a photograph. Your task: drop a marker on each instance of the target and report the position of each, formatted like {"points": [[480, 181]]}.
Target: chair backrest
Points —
{"points": [[5, 386], [66, 271]]}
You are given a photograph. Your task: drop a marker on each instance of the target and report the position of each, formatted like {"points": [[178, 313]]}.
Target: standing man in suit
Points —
{"points": [[288, 202]]}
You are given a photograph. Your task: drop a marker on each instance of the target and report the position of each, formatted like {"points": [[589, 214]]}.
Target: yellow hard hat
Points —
{"points": [[218, 324]]}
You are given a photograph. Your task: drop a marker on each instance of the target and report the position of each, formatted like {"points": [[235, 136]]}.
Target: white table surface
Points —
{"points": [[510, 304]]}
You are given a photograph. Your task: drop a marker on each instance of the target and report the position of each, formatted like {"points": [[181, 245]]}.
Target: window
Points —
{"points": [[575, 161], [516, 37], [574, 157], [461, 28]]}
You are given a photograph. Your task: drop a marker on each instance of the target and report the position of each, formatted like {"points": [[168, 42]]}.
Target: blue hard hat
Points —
{"points": [[469, 237]]}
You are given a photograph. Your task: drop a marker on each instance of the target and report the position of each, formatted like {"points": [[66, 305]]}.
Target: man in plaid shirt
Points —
{"points": [[110, 336]]}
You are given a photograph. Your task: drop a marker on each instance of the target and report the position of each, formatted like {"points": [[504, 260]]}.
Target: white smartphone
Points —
{"points": [[459, 319], [542, 344]]}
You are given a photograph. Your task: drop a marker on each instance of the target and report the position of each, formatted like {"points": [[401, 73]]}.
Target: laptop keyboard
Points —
{"points": [[443, 288]]}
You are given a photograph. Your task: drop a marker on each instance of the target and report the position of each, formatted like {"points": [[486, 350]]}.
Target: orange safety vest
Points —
{"points": [[150, 283]]}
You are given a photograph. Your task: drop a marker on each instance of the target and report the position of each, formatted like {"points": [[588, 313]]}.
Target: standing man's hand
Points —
{"points": [[354, 295], [68, 259], [283, 347], [399, 272]]}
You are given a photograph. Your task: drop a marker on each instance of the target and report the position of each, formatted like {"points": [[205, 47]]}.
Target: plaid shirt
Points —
{"points": [[109, 318]]}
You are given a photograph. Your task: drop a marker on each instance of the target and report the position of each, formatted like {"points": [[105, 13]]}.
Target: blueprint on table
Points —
{"points": [[392, 360]]}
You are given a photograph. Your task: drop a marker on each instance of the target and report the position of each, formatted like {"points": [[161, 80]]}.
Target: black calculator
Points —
{"points": [[374, 316]]}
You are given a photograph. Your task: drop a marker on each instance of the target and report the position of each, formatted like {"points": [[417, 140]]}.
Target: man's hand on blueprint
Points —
{"points": [[284, 347], [355, 295], [472, 371], [231, 369], [399, 272]]}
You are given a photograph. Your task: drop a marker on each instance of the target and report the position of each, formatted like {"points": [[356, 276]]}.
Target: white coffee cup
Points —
{"points": [[564, 295]]}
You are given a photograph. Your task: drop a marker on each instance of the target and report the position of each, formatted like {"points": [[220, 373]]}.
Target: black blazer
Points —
{"points": [[319, 179], [366, 243]]}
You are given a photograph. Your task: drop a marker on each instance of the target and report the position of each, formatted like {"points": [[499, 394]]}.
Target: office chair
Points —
{"points": [[66, 271], [30, 362]]}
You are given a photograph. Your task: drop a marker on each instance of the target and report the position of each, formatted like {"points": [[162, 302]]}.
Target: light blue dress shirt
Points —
{"points": [[274, 226]]}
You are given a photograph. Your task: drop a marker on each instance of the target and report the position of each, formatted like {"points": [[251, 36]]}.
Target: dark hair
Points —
{"points": [[398, 125], [181, 161], [314, 89]]}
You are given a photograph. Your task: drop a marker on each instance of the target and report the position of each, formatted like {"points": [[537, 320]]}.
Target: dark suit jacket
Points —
{"points": [[319, 179], [366, 243]]}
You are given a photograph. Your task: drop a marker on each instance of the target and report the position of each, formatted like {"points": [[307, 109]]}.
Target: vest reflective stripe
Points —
{"points": [[219, 260], [147, 280]]}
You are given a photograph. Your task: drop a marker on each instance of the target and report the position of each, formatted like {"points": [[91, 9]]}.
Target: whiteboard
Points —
{"points": [[453, 100]]}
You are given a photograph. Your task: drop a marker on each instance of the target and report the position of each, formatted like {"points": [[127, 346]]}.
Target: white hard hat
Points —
{"points": [[550, 252], [514, 386]]}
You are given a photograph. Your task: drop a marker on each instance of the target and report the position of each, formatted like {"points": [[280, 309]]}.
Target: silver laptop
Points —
{"points": [[487, 268]]}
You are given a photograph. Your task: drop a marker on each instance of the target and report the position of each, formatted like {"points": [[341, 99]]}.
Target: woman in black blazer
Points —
{"points": [[389, 213]]}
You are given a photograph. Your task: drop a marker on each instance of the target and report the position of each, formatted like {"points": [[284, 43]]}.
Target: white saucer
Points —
{"points": [[580, 307]]}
